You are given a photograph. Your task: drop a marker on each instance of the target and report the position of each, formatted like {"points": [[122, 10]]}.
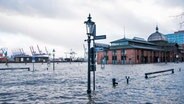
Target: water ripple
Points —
{"points": [[68, 84]]}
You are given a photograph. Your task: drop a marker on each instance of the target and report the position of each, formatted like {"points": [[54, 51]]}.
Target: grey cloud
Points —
{"points": [[74, 36], [56, 34], [48, 8], [141, 27], [170, 3]]}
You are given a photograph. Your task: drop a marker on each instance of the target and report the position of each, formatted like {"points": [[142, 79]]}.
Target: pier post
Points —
{"points": [[162, 71], [127, 79], [146, 76], [53, 59], [33, 61], [172, 71], [114, 83]]}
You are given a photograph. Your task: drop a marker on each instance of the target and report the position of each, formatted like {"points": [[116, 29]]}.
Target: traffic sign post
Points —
{"points": [[93, 55], [33, 61]]}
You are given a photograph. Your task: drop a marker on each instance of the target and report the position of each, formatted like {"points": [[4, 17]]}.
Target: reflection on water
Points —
{"points": [[68, 84]]}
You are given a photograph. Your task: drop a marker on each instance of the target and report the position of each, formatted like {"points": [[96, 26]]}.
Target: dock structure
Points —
{"points": [[162, 71], [15, 68]]}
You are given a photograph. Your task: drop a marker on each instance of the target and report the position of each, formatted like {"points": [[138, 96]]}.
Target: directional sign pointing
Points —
{"points": [[100, 37]]}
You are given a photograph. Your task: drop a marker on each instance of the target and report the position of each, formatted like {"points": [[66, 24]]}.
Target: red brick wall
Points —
{"points": [[100, 55], [149, 54], [139, 54], [119, 56], [133, 53], [109, 54], [130, 56]]}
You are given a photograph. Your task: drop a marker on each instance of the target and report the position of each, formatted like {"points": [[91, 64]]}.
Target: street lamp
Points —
{"points": [[90, 26], [53, 51]]}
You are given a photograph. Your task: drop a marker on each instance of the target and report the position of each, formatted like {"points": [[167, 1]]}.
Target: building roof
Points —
{"points": [[149, 48], [157, 36], [132, 40], [135, 43], [23, 55], [102, 45], [136, 47]]}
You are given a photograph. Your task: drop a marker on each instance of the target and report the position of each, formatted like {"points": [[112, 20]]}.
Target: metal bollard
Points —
{"points": [[114, 83], [172, 71], [28, 69], [146, 76], [127, 79], [179, 69]]}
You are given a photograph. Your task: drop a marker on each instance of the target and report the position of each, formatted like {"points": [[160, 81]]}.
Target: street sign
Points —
{"points": [[100, 37]]}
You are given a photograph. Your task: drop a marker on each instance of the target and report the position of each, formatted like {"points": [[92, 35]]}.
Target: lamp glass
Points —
{"points": [[90, 26], [53, 51]]}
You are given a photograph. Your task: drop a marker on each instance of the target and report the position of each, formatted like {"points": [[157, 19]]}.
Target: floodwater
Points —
{"points": [[68, 84]]}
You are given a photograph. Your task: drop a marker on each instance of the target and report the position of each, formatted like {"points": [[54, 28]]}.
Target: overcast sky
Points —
{"points": [[59, 24]]}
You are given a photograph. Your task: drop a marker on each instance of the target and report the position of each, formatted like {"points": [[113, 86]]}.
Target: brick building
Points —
{"points": [[138, 50], [2, 58]]}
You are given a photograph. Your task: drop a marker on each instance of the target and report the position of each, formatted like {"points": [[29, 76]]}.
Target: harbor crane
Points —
{"points": [[32, 50], [39, 49], [18, 51], [46, 50], [21, 50], [72, 54]]}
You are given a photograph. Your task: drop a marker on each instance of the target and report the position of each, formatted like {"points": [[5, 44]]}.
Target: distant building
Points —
{"points": [[138, 50], [176, 37], [28, 58], [2, 58]]}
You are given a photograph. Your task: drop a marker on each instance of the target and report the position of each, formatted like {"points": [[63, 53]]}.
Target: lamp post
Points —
{"points": [[53, 59], [90, 25]]}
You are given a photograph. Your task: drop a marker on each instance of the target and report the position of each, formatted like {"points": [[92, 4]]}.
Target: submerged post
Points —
{"points": [[162, 71], [146, 76], [28, 69], [53, 59], [114, 83], [127, 79], [16, 68], [172, 71], [179, 69], [33, 61]]}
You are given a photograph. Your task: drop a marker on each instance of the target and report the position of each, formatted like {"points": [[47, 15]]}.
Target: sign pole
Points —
{"points": [[33, 61]]}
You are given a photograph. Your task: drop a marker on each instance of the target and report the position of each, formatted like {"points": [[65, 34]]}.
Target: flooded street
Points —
{"points": [[68, 84]]}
